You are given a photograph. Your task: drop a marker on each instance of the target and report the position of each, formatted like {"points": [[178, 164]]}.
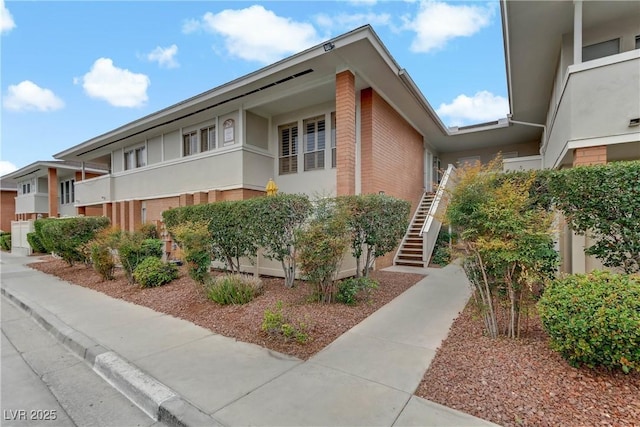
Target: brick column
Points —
{"points": [[186, 199], [135, 215], [115, 215], [53, 192], [200, 198], [345, 133], [124, 215], [107, 210], [215, 196], [590, 156]]}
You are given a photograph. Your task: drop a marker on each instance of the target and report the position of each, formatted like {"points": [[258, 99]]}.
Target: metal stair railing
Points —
{"points": [[431, 226]]}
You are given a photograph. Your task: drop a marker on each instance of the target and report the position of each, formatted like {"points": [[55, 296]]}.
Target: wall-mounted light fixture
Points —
{"points": [[328, 46]]}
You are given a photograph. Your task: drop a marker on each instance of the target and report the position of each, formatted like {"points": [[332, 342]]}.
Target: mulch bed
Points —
{"points": [[524, 383], [185, 299]]}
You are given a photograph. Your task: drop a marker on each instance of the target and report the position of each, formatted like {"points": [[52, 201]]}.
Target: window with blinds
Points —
{"points": [[314, 143], [288, 156]]}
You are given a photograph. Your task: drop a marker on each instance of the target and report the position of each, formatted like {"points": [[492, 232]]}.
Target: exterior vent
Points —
{"points": [[634, 122]]}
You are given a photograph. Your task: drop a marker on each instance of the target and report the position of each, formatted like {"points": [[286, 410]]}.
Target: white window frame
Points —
{"points": [[190, 147], [334, 152], [315, 142], [291, 154], [210, 132], [137, 156], [27, 186], [67, 192]]}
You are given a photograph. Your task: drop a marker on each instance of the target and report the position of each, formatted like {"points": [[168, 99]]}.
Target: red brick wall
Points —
{"points": [[345, 133], [155, 207], [7, 209], [53, 192], [392, 155], [590, 156]]}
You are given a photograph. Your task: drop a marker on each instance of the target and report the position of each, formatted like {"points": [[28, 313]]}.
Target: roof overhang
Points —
{"points": [[533, 32], [41, 168]]}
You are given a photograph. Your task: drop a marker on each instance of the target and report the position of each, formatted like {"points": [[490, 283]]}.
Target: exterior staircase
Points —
{"points": [[412, 247]]}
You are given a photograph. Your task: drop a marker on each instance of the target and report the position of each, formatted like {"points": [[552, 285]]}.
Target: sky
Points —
{"points": [[73, 70]]}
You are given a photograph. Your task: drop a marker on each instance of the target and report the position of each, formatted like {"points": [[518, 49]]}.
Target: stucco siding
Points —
{"points": [[154, 150], [257, 130]]}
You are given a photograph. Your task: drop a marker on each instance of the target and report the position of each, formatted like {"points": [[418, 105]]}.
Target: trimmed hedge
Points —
{"points": [[5, 241], [67, 236], [134, 248], [36, 243], [594, 319]]}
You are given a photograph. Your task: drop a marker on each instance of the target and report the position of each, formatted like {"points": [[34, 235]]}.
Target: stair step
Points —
{"points": [[410, 263]]}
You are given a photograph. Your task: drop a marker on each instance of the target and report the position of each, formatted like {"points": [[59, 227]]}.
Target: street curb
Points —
{"points": [[156, 399]]}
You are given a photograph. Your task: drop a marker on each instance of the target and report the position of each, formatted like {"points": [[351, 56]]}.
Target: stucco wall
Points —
{"points": [[256, 130], [488, 154]]}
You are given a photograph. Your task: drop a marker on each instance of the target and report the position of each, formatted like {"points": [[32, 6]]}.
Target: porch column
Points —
{"points": [[345, 133], [214, 196], [577, 31], [115, 215], [107, 210], [135, 214], [200, 198], [53, 192], [124, 215]]}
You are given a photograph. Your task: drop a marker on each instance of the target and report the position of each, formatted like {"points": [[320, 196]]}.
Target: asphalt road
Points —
{"points": [[44, 384]]}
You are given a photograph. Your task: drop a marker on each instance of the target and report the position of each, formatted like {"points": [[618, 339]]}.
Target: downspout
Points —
{"points": [[507, 59], [538, 125]]}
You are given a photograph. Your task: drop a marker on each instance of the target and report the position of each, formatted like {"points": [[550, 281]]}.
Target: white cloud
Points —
{"points": [[349, 21], [165, 57], [363, 2], [191, 26], [257, 34], [481, 107], [118, 86], [6, 167], [6, 20], [436, 23], [28, 96]]}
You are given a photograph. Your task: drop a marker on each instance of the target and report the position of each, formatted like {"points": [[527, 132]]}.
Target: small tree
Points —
{"points": [[376, 224], [231, 227], [278, 220], [322, 246], [507, 243]]}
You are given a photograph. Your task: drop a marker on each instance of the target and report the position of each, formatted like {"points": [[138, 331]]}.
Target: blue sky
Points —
{"points": [[76, 69]]}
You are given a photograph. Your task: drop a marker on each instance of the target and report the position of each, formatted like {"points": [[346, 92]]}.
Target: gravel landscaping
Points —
{"points": [[523, 383], [184, 299]]}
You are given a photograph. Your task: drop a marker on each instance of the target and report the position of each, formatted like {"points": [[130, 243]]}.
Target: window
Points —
{"points": [[314, 143], [600, 50], [207, 139], [27, 187], [67, 192], [333, 140], [637, 42], [288, 135], [135, 158], [189, 143]]}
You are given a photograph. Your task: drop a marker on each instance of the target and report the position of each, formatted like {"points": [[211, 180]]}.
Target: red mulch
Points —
{"points": [[524, 383]]}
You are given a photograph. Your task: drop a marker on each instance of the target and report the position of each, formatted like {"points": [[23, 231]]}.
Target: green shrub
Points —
{"points": [[5, 241], [35, 243], [102, 261], [67, 237], [275, 322], [349, 289], [149, 231], [153, 272], [134, 248], [594, 319], [321, 248], [193, 238], [441, 252], [234, 289]]}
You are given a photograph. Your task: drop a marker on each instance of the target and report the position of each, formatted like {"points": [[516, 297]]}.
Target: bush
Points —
{"points": [[5, 241], [234, 289], [102, 261], [36, 244], [322, 247], [153, 272], [275, 322], [149, 231], [349, 289], [594, 319], [193, 238], [134, 248], [67, 237]]}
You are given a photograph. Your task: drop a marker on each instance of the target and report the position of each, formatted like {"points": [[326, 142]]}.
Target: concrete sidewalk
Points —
{"points": [[183, 374]]}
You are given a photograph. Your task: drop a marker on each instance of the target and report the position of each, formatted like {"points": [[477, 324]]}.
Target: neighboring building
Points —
{"points": [[8, 191], [344, 118], [47, 189]]}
